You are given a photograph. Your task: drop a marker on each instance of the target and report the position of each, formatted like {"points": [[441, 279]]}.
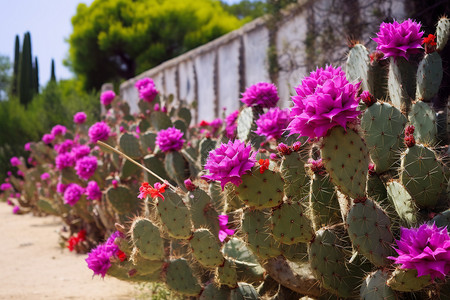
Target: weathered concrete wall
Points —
{"points": [[310, 34]]}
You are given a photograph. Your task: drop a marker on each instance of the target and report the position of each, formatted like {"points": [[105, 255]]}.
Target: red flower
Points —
{"points": [[76, 239], [203, 123], [147, 190], [430, 43], [264, 165], [120, 255]]}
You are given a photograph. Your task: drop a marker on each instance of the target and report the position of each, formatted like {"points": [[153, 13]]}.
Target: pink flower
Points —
{"points": [[107, 97], [170, 139], [189, 185], [229, 162], [81, 151], [15, 161], [16, 209], [45, 176], [64, 160], [426, 249], [399, 39], [325, 99], [79, 117], [47, 138], [6, 186], [73, 193], [273, 123], [60, 187], [115, 183], [27, 146], [146, 88], [93, 191], [146, 190], [58, 130], [99, 132], [64, 147], [231, 124], [224, 231], [261, 94], [86, 167]]}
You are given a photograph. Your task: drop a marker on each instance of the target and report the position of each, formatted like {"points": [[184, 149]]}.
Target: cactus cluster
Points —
{"points": [[321, 211]]}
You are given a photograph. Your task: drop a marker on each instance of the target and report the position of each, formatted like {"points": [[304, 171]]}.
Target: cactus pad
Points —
{"points": [[206, 248], [179, 278], [175, 216], [147, 240]]}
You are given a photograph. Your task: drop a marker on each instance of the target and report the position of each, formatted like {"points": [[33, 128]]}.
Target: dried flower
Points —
{"points": [[284, 149], [399, 39], [262, 94], [426, 249], [73, 193], [170, 139], [273, 123], [147, 190], [224, 231], [325, 99], [93, 191], [99, 132], [107, 97], [79, 117], [229, 162], [86, 167]]}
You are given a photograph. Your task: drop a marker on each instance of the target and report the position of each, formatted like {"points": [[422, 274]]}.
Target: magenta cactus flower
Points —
{"points": [[73, 193], [399, 39], [64, 147], [273, 123], [99, 132], [61, 187], [426, 249], [45, 176], [81, 151], [64, 160], [229, 162], [224, 231], [47, 138], [99, 258], [170, 139], [325, 99], [146, 88], [58, 130], [107, 97], [80, 117], [27, 146], [262, 94], [16, 209], [6, 186], [231, 124], [86, 167], [93, 191], [15, 161]]}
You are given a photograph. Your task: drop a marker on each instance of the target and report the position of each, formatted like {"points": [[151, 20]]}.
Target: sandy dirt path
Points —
{"points": [[33, 266]]}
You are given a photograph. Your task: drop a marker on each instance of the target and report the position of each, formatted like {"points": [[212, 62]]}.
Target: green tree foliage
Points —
{"points": [[116, 39], [5, 77], [26, 72], [36, 76], [15, 76], [246, 9], [53, 74]]}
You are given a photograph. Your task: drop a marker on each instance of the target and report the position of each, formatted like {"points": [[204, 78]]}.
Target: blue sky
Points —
{"points": [[48, 22]]}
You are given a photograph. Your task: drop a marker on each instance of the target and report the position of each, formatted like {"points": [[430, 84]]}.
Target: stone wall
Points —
{"points": [[215, 74]]}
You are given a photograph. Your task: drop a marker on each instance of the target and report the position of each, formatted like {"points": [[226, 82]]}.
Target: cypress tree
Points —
{"points": [[53, 75], [36, 76], [15, 77], [25, 76]]}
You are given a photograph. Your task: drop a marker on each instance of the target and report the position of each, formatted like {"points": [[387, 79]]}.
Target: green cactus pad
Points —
{"points": [[376, 190], [357, 66], [346, 159], [160, 120], [423, 118], [406, 280], [422, 175], [429, 76], [442, 33], [129, 145], [369, 229], [323, 202], [328, 260], [181, 126], [144, 266], [226, 274], [175, 216], [256, 225], [401, 83], [206, 145], [129, 169], [245, 124], [403, 203], [261, 190], [179, 278], [47, 207], [122, 200], [176, 167], [206, 248], [296, 252], [290, 224], [211, 292], [294, 175], [374, 287], [184, 113], [144, 125], [442, 219], [378, 77], [204, 215], [383, 127], [244, 291], [148, 141], [153, 163], [147, 240]]}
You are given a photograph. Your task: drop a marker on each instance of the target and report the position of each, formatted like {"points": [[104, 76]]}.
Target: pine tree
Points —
{"points": [[15, 77], [53, 75], [36, 76], [25, 75]]}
